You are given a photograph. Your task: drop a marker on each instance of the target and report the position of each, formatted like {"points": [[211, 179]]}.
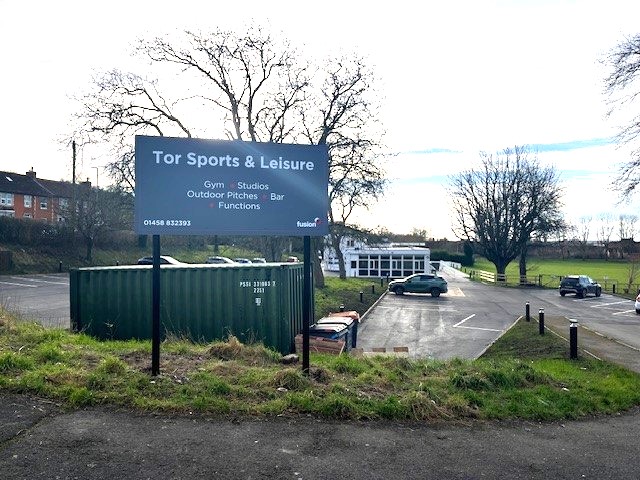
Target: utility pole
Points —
{"points": [[73, 193]]}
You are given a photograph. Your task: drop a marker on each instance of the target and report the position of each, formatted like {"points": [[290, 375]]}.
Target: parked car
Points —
{"points": [[219, 260], [242, 260], [164, 260], [581, 285], [292, 259], [419, 283], [638, 304], [258, 260]]}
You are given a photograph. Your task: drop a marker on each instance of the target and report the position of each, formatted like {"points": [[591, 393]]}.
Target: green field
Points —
{"points": [[607, 273]]}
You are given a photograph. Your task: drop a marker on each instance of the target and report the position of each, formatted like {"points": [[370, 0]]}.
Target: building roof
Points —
{"points": [[29, 184]]}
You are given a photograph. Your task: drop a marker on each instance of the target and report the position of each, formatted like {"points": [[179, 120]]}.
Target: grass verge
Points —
{"points": [[522, 376]]}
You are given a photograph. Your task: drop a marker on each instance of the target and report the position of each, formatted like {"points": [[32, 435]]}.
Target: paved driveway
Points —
{"points": [[466, 320]]}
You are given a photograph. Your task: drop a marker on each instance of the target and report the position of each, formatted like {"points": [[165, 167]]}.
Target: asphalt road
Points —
{"points": [[40, 440], [44, 298], [465, 321]]}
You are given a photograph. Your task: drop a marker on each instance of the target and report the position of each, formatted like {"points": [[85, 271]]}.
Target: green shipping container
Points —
{"points": [[256, 303]]}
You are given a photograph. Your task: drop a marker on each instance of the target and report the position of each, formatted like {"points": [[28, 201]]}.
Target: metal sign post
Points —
{"points": [[155, 308], [306, 304]]}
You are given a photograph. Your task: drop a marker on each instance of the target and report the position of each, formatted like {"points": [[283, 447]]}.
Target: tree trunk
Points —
{"points": [[318, 276], [335, 243], [523, 265], [89, 244]]}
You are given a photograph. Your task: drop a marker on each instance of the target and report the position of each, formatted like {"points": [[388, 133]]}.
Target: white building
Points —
{"points": [[389, 260]]}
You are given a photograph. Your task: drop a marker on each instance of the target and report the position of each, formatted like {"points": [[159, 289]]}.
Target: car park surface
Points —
{"points": [[472, 315]]}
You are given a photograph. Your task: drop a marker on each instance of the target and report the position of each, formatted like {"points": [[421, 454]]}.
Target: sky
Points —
{"points": [[454, 79]]}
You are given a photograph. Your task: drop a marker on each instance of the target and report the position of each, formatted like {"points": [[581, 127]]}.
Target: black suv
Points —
{"points": [[581, 285]]}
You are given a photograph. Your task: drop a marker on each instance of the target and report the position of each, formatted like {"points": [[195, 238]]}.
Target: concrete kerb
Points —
{"points": [[497, 338]]}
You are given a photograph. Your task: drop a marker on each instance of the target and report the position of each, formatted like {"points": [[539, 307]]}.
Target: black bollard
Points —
{"points": [[60, 267], [614, 288], [373, 289], [381, 281], [573, 339], [361, 293], [541, 320], [527, 312], [342, 307]]}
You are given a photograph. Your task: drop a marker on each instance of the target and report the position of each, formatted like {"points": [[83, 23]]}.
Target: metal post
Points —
{"points": [[541, 320], [342, 307], [306, 304], [60, 267], [614, 288], [155, 308], [527, 312], [373, 289], [573, 339], [361, 293], [381, 281]]}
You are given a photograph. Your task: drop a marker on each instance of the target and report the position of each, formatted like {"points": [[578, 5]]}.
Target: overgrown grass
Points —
{"points": [[346, 292], [523, 375]]}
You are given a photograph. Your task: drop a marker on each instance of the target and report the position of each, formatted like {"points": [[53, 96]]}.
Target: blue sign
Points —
{"points": [[187, 186]]}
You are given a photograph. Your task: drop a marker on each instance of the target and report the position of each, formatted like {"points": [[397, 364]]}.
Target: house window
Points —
{"points": [[7, 213], [27, 201], [43, 203], [27, 215], [350, 243], [6, 199]]}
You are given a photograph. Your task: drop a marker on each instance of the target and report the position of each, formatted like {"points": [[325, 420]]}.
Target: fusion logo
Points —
{"points": [[316, 222]]}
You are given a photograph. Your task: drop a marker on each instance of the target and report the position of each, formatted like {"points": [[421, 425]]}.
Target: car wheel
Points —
{"points": [[435, 292], [562, 294], [398, 291], [581, 294], [598, 292], [638, 311]]}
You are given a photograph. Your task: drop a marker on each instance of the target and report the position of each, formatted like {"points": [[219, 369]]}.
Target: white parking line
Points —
{"points": [[40, 281], [19, 284], [459, 325], [464, 320], [625, 311], [607, 304]]}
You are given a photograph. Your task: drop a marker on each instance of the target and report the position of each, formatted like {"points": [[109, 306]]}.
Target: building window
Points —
{"points": [[43, 204], [350, 243], [7, 213], [27, 215], [27, 201], [6, 199]]}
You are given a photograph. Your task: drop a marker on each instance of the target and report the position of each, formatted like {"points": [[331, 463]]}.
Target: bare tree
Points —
{"points": [[623, 87], [604, 232], [339, 116], [98, 212], [262, 91], [627, 226], [583, 230], [505, 202]]}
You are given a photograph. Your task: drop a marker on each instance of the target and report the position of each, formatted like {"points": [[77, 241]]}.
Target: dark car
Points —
{"points": [[242, 260], [419, 283], [581, 285], [219, 260], [164, 260]]}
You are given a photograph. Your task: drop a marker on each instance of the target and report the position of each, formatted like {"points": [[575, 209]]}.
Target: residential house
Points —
{"points": [[26, 196]]}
